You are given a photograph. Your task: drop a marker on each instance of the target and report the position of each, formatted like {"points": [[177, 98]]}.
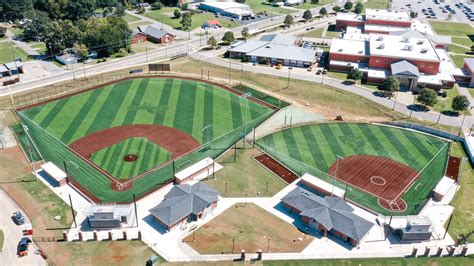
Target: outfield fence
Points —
{"points": [[415, 196]]}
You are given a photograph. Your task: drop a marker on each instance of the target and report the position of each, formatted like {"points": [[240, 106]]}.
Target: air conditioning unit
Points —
{"points": [[339, 50], [380, 38], [420, 42], [408, 48], [424, 51], [381, 46]]}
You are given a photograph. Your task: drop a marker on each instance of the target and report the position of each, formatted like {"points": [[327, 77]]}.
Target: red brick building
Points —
{"points": [[375, 21]]}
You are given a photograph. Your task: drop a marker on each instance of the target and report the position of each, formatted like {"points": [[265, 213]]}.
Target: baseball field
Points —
{"points": [[130, 137], [387, 169]]}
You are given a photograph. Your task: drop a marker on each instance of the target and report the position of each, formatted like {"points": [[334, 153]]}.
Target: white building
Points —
{"points": [[228, 9]]}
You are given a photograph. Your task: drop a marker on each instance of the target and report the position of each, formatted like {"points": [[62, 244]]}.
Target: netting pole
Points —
{"points": [[235, 152], [72, 211], [135, 207], [253, 141], [174, 169], [447, 227]]}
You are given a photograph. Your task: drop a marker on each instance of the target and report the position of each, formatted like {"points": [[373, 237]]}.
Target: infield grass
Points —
{"points": [[314, 148], [186, 105]]}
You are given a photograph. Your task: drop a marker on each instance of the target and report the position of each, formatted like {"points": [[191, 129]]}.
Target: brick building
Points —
{"points": [[375, 21]]}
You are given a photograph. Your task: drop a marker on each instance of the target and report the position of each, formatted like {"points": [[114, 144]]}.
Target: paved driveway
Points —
{"points": [[13, 234]]}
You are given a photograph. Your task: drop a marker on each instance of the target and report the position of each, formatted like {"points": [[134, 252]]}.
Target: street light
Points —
{"points": [[440, 112], [207, 128], [289, 71], [395, 102], [463, 119], [245, 96], [337, 169]]}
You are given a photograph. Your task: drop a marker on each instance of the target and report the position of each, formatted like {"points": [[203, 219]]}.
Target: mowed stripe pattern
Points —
{"points": [[182, 104], [314, 148], [123, 103], [111, 159]]}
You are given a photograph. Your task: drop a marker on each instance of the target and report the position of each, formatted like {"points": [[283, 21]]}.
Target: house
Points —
{"points": [[274, 49], [417, 228], [153, 33], [228, 9], [110, 216], [185, 203], [213, 23], [144, 5], [66, 59], [327, 215], [4, 71], [138, 37]]}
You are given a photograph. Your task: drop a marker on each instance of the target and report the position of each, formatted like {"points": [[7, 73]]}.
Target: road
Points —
{"points": [[13, 234]]}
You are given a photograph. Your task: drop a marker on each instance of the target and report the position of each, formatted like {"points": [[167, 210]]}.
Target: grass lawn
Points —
{"points": [[377, 4], [245, 177], [419, 261], [309, 5], [452, 28], [165, 15], [317, 33], [251, 227], [144, 46], [111, 159], [458, 49], [257, 7], [447, 101], [16, 31], [1, 240], [136, 24], [465, 41], [337, 75], [332, 33], [6, 52], [458, 59], [130, 18], [464, 207], [313, 149], [185, 105], [38, 46]]}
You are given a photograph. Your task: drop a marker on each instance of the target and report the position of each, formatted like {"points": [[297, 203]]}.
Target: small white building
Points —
{"points": [[228, 9]]}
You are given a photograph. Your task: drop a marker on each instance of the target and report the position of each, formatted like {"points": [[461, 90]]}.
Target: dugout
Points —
{"points": [[197, 171], [321, 186], [53, 174]]}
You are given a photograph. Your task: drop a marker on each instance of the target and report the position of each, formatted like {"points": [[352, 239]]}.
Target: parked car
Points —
{"points": [[18, 218], [325, 72], [278, 66], [318, 72], [218, 47], [23, 246]]}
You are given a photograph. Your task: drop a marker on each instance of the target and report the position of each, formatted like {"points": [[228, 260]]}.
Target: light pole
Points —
{"points": [[337, 169], [395, 102], [289, 71], [207, 128], [440, 112], [463, 119], [245, 96], [413, 106]]}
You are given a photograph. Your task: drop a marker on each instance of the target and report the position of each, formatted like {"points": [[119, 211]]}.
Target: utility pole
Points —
{"points": [[289, 71], [440, 111], [245, 96]]}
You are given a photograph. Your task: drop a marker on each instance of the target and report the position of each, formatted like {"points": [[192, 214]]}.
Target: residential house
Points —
{"points": [[152, 33]]}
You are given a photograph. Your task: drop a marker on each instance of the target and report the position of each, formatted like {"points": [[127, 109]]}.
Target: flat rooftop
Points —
{"points": [[349, 17], [387, 14], [356, 36], [383, 28], [347, 46], [402, 47]]}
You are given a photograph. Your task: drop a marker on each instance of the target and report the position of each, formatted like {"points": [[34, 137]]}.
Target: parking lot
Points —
{"points": [[436, 9]]}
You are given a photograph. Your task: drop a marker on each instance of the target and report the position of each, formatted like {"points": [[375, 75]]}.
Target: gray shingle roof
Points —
{"points": [[183, 200], [404, 68], [152, 30], [284, 52], [278, 39], [330, 212]]}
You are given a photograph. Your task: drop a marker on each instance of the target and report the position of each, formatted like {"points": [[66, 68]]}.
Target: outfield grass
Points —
{"points": [[462, 202], [165, 15], [186, 105], [149, 155], [245, 177], [7, 49], [262, 96], [313, 149], [250, 226]]}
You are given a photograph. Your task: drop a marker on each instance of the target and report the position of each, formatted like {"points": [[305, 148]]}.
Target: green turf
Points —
{"points": [[186, 105], [149, 155], [314, 148], [261, 96]]}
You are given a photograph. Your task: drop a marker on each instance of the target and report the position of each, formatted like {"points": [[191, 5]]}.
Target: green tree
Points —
{"points": [[355, 74], [186, 21], [288, 20], [156, 6], [358, 8], [337, 9], [212, 42], [348, 5], [460, 103], [315, 2], [390, 85], [307, 15], [413, 14], [81, 51], [228, 37], [427, 97], [119, 10], [177, 13], [13, 10], [184, 6], [245, 33], [323, 12]]}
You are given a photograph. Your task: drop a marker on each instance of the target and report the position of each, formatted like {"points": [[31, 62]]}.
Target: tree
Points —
{"points": [[120, 10], [212, 42], [315, 2], [460, 103], [3, 31], [358, 8], [186, 21], [184, 6], [307, 15], [177, 13], [355, 74], [81, 51], [228, 37], [337, 9], [323, 12], [245, 33], [348, 5], [288, 20], [390, 85], [156, 6], [413, 14], [427, 97]]}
